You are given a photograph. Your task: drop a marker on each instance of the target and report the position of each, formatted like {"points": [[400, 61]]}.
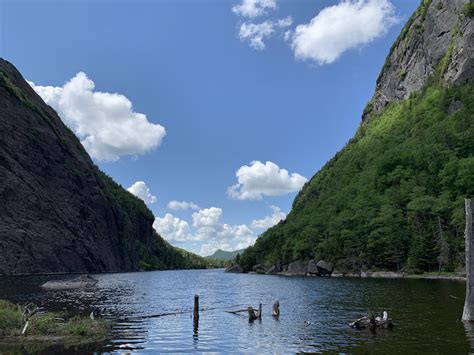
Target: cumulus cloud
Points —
{"points": [[182, 205], [254, 8], [269, 221], [207, 217], [209, 230], [258, 180], [255, 34], [172, 228], [336, 29], [142, 191], [104, 122]]}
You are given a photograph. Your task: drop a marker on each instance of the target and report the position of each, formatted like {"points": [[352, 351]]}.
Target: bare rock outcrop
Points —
{"points": [[437, 40]]}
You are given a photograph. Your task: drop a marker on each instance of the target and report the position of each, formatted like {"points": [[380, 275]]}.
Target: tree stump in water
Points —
{"points": [[252, 314], [373, 322], [468, 312], [276, 309]]}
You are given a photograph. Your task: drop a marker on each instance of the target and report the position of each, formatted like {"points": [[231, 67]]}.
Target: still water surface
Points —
{"points": [[426, 312]]}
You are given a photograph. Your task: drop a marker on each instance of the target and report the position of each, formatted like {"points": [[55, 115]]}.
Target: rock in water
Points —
{"points": [[235, 268], [297, 268], [324, 268], [58, 212], [83, 281]]}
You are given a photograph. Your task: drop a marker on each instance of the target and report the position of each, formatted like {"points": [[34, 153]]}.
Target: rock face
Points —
{"points": [[58, 212], [313, 268], [297, 268], [439, 29], [275, 269], [235, 268]]}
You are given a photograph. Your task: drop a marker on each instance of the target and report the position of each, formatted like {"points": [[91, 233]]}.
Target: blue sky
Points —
{"points": [[198, 71]]}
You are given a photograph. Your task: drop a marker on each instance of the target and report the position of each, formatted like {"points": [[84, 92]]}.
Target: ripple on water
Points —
{"points": [[425, 312]]}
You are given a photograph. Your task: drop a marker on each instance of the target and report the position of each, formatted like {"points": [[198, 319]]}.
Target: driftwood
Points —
{"points": [[276, 309], [238, 311], [373, 322], [28, 311]]}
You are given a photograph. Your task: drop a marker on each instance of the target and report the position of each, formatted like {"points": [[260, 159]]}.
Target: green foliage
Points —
{"points": [[393, 197], [468, 9], [50, 324], [156, 253], [10, 317]]}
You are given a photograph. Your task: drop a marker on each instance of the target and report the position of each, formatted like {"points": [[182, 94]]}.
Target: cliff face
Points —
{"points": [[393, 197], [438, 29], [58, 212]]}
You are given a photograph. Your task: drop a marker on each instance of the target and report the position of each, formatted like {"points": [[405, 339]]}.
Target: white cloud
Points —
{"points": [[255, 34], [336, 29], [208, 230], [104, 122], [207, 217], [142, 191], [258, 180], [254, 8], [269, 221], [182, 205], [172, 228]]}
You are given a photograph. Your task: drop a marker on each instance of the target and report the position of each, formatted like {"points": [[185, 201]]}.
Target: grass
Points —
{"points": [[468, 9], [50, 325]]}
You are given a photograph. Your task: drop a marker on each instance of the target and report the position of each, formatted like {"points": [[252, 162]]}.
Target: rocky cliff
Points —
{"points": [[439, 30], [393, 197], [58, 212]]}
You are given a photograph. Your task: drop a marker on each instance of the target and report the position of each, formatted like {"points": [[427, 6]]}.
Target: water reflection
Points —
{"points": [[134, 301], [469, 329]]}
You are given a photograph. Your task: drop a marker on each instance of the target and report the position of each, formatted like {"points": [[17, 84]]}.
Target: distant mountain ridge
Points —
{"points": [[393, 197], [58, 212], [225, 255]]}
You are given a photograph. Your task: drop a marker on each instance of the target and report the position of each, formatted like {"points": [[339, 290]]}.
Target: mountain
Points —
{"points": [[58, 211], [225, 255], [393, 197]]}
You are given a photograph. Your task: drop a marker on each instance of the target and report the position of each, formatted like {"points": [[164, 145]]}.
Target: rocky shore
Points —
{"points": [[323, 268]]}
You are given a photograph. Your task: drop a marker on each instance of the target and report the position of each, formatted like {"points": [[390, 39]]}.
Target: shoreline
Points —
{"points": [[377, 275]]}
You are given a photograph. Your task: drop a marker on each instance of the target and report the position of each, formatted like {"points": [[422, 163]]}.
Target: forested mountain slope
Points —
{"points": [[392, 198]]}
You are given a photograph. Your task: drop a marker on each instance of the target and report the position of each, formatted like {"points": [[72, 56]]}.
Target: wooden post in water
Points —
{"points": [[260, 311], [196, 308], [468, 313]]}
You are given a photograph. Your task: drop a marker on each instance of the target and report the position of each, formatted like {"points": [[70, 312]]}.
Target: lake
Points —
{"points": [[426, 312]]}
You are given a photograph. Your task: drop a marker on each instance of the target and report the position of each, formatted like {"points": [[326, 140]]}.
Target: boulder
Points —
{"points": [[275, 269], [324, 268], [312, 268], [83, 281], [298, 268], [235, 268], [256, 267]]}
